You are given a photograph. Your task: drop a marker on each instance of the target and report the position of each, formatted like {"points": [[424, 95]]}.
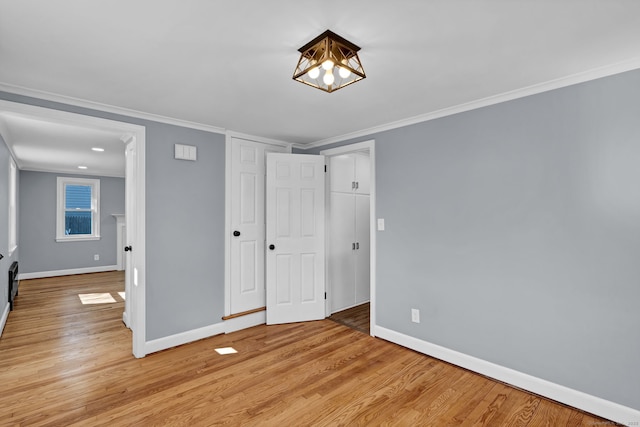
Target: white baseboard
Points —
{"points": [[55, 273], [244, 322], [227, 326], [184, 338], [577, 399], [5, 314]]}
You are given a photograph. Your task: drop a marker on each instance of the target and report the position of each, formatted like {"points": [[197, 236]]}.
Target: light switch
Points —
{"points": [[179, 151], [185, 152], [380, 224]]}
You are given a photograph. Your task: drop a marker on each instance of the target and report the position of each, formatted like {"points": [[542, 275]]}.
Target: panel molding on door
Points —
{"points": [[295, 237]]}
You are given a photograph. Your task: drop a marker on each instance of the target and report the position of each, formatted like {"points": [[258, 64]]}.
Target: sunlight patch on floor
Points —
{"points": [[96, 298], [121, 295], [226, 350]]}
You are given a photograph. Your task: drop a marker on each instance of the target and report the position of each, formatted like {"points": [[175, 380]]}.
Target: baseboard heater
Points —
{"points": [[13, 283]]}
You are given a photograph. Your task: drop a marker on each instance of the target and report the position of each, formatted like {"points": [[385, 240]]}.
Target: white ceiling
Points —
{"points": [[45, 144], [228, 64]]}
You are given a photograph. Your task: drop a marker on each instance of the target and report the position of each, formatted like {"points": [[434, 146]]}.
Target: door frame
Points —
{"points": [[128, 131], [368, 146], [229, 136]]}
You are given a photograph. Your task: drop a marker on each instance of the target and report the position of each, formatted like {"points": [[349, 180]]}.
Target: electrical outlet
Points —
{"points": [[415, 315], [96, 257]]}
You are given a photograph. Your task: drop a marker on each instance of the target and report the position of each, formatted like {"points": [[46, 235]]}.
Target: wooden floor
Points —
{"points": [[63, 363], [357, 317]]}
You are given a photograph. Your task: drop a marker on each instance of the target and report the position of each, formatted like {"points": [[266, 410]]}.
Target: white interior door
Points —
{"points": [[363, 248], [342, 250], [295, 238], [130, 229], [247, 285]]}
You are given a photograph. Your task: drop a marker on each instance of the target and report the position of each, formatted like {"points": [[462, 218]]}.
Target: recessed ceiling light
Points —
{"points": [[82, 167], [97, 149]]}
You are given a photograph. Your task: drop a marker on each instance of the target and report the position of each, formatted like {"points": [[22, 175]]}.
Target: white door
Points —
{"points": [[128, 238], [295, 238], [342, 250], [247, 286], [363, 248]]}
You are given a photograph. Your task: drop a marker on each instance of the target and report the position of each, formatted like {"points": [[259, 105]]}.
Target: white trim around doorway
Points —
{"points": [[128, 131], [368, 146]]}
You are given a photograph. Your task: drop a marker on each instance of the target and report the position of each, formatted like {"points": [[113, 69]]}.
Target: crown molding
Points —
{"points": [[255, 138], [596, 73], [573, 79], [77, 102]]}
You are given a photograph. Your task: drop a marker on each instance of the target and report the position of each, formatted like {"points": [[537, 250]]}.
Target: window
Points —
{"points": [[13, 209], [78, 209]]}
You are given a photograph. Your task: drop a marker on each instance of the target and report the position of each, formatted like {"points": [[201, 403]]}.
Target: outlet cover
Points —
{"points": [[415, 315], [96, 257]]}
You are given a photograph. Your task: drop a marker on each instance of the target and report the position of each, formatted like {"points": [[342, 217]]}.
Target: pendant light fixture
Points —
{"points": [[329, 62]]}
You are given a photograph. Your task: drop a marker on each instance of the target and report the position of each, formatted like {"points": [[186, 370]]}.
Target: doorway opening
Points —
{"points": [[127, 136], [351, 248]]}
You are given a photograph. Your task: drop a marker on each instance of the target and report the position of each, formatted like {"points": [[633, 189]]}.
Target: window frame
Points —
{"points": [[62, 182], [13, 207]]}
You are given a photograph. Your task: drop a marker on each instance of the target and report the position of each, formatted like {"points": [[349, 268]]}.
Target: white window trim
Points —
{"points": [[13, 206], [95, 208]]}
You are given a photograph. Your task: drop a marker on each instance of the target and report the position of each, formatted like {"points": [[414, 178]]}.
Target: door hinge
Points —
{"points": [[325, 168], [325, 295]]}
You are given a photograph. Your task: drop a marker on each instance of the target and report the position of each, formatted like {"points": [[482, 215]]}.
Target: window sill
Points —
{"points": [[76, 239]]}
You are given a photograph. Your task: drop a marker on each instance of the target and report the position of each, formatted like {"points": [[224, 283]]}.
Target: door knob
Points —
{"points": [[128, 248], [236, 233], [272, 247]]}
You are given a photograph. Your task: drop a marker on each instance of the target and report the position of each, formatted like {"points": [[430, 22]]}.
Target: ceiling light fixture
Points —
{"points": [[82, 167], [98, 149], [325, 51]]}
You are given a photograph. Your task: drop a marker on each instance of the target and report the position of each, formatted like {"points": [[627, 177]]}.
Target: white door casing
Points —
{"points": [[295, 269], [247, 286]]}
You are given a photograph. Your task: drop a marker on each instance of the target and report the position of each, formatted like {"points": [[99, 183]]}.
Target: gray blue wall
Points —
{"points": [[515, 229], [5, 262], [185, 223], [185, 231], [37, 232]]}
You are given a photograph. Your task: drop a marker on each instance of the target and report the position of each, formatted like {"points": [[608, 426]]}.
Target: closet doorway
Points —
{"points": [[350, 196]]}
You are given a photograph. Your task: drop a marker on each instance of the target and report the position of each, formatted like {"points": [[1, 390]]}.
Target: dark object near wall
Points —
{"points": [[13, 283]]}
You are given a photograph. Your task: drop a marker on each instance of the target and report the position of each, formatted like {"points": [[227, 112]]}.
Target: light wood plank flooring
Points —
{"points": [[63, 363]]}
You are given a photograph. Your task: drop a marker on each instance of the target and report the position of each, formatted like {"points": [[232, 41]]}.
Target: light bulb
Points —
{"points": [[314, 73], [328, 78], [327, 65], [344, 73]]}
